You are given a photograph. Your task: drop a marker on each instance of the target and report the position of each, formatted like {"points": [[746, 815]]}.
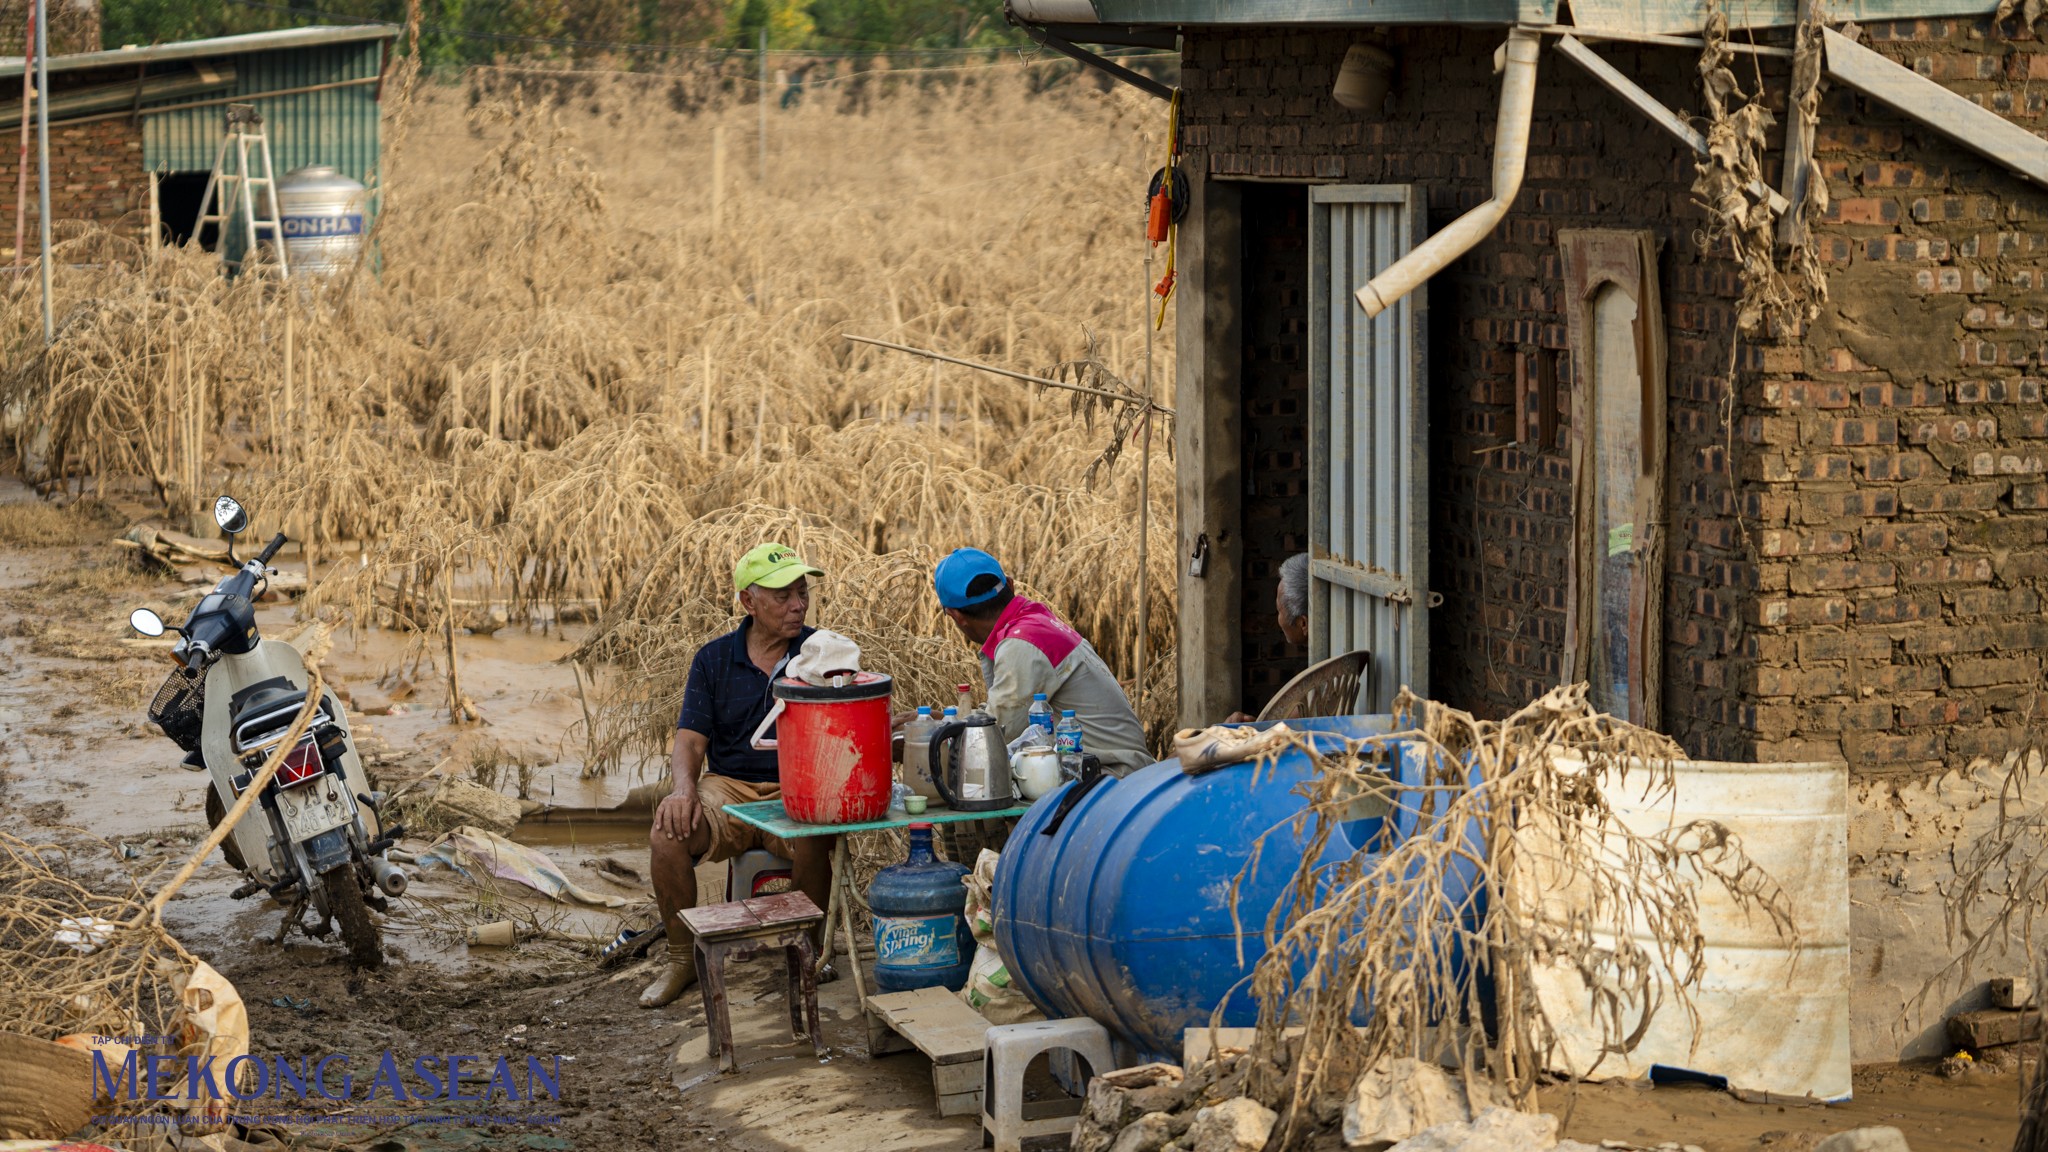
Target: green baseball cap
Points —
{"points": [[770, 565]]}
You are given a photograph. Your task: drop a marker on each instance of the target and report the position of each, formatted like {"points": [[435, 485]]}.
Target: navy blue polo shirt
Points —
{"points": [[726, 698]]}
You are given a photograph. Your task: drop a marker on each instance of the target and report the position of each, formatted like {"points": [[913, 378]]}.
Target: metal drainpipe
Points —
{"points": [[1510, 152]]}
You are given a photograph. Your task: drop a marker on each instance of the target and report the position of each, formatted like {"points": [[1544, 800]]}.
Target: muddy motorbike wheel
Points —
{"points": [[345, 904], [215, 812]]}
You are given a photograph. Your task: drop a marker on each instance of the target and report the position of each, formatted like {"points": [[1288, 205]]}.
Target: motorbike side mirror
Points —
{"points": [[230, 515], [146, 622]]}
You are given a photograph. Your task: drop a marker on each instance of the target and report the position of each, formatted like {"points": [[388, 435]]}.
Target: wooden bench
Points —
{"points": [[936, 1023], [746, 928]]}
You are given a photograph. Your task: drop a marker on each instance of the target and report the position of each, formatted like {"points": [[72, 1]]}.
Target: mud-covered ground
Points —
{"points": [[78, 764]]}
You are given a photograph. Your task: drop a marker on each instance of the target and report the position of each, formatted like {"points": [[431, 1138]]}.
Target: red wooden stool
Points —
{"points": [[744, 929]]}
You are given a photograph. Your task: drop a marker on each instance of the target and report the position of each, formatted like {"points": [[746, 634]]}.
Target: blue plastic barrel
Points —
{"points": [[921, 935], [1123, 915]]}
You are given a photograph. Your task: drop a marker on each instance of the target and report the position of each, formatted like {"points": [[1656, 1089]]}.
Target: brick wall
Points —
{"points": [[1895, 463], [1257, 104], [1275, 398], [96, 175], [74, 26]]}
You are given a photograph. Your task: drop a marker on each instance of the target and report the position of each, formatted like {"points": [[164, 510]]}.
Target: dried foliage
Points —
{"points": [[563, 381], [1566, 897], [1802, 262], [1737, 125], [1994, 903], [120, 988]]}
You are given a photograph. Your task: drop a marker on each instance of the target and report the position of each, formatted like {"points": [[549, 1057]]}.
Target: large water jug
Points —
{"points": [[921, 935]]}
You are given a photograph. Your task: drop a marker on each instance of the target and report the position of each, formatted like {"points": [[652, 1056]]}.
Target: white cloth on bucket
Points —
{"points": [[827, 659]]}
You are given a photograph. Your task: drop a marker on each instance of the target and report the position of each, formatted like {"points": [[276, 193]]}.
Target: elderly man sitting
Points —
{"points": [[715, 763]]}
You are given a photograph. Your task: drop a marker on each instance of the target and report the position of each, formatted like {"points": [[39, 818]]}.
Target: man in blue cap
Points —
{"points": [[1027, 649]]}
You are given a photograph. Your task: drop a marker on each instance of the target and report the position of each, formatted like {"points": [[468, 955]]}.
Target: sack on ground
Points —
{"points": [[990, 992]]}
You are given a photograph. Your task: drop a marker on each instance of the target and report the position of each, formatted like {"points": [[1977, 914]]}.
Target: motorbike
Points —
{"points": [[315, 838]]}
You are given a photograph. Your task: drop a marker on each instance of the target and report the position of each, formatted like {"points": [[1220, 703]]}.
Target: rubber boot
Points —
{"points": [[678, 976]]}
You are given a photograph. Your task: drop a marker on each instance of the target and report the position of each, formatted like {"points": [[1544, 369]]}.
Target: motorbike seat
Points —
{"points": [[266, 711]]}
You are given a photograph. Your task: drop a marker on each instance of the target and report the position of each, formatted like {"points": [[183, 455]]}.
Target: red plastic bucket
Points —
{"points": [[832, 747]]}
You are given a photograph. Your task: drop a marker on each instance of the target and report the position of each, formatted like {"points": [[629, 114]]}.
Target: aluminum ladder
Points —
{"points": [[232, 188]]}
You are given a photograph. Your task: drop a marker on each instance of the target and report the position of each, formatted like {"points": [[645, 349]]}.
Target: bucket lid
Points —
{"points": [[859, 686]]}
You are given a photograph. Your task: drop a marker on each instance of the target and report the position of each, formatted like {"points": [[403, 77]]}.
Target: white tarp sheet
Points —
{"points": [[1773, 1019]]}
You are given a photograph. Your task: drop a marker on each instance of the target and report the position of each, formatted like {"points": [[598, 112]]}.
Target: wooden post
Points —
{"points": [[289, 406], [717, 179], [1145, 486], [760, 415], [497, 394], [935, 395], [764, 106], [455, 713], [1798, 162], [153, 243], [455, 414], [704, 409]]}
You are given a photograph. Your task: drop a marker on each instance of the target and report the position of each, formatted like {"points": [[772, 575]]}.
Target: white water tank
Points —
{"points": [[323, 214]]}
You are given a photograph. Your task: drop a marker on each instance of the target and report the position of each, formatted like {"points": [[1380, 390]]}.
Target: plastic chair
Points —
{"points": [[1008, 1051], [1330, 688], [758, 872]]}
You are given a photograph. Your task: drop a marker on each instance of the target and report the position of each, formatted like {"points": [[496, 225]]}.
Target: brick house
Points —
{"points": [[120, 117], [1815, 540]]}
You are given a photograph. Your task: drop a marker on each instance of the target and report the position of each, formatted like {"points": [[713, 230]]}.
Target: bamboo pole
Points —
{"points": [[1119, 397], [934, 408], [288, 405], [28, 97], [760, 415], [455, 413], [316, 691], [704, 407], [455, 711], [717, 180], [497, 394], [1145, 494]]}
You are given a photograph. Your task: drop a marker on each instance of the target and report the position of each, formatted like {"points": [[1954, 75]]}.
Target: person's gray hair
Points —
{"points": [[1294, 585]]}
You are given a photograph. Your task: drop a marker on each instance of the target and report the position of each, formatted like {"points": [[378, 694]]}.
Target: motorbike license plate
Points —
{"points": [[308, 812]]}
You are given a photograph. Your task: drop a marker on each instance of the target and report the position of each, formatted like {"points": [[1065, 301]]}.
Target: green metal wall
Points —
{"points": [[338, 126]]}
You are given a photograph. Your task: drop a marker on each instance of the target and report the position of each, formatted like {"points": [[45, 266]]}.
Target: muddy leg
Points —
{"points": [[675, 888]]}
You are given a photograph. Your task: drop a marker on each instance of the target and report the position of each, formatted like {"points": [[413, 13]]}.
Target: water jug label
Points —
{"points": [[927, 942]]}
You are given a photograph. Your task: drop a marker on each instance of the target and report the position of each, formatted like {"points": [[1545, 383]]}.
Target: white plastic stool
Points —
{"points": [[1009, 1050]]}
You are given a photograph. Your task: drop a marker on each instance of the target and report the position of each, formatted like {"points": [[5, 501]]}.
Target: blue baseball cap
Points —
{"points": [[951, 578]]}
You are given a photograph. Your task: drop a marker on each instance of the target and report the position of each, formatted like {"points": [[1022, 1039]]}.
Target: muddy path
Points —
{"points": [[79, 765]]}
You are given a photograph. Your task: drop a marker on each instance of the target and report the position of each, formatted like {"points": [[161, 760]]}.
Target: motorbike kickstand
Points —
{"points": [[291, 917]]}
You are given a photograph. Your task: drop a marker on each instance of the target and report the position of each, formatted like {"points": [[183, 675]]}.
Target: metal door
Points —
{"points": [[1368, 443]]}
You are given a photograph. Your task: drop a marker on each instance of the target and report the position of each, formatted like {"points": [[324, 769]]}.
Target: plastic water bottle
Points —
{"points": [[1066, 740], [917, 753], [1040, 714], [966, 694]]}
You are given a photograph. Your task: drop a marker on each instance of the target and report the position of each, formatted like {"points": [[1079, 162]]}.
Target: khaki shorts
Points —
{"points": [[729, 836]]}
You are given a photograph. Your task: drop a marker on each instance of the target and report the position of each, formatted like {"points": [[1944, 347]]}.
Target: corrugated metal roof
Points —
{"points": [[337, 126], [1662, 16], [286, 38]]}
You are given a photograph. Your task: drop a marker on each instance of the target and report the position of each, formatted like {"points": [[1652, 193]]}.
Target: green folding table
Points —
{"points": [[769, 817]]}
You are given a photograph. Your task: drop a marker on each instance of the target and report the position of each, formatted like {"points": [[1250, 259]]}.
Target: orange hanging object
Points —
{"points": [[1161, 218], [1165, 286]]}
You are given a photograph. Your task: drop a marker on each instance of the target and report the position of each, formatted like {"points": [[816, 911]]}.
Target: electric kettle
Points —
{"points": [[970, 765]]}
